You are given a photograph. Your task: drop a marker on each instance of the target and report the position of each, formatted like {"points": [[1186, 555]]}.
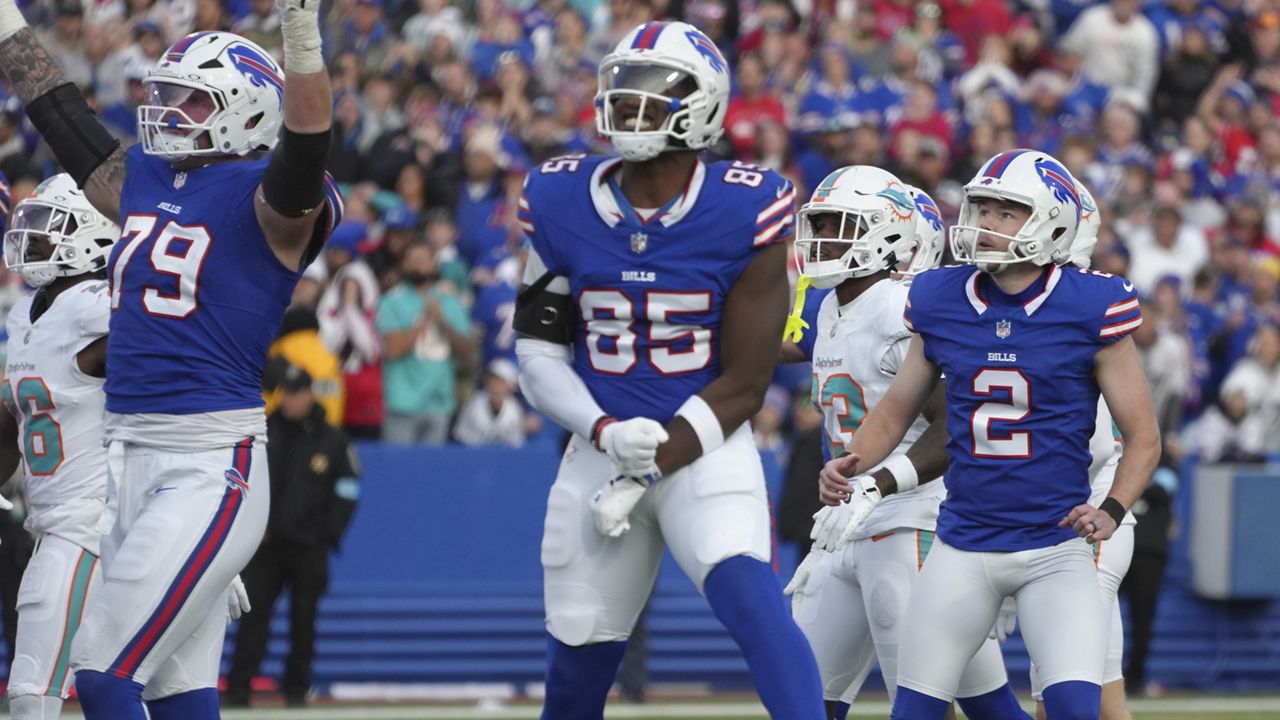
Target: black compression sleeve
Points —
{"points": [[293, 184], [73, 131]]}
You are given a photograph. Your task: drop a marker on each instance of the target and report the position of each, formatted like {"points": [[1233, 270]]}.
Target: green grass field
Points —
{"points": [[1197, 707]]}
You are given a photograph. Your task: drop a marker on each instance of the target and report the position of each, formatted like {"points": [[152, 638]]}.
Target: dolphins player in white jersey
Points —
{"points": [[861, 222], [1113, 561], [53, 427]]}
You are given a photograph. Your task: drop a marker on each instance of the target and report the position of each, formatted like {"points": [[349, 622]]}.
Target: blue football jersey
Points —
{"points": [[649, 295], [1022, 398], [197, 295]]}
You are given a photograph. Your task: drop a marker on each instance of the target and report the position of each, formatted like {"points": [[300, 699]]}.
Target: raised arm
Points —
{"points": [[58, 110], [755, 312], [293, 186]]}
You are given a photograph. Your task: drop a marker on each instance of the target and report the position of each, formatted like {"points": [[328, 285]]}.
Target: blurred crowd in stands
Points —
{"points": [[1166, 109]]}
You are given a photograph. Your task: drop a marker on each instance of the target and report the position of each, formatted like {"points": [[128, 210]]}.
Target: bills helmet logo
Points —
{"points": [[1058, 180], [929, 210], [260, 70], [707, 49]]}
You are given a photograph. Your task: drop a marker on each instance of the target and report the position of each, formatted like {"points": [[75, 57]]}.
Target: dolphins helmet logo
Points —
{"points": [[900, 203]]}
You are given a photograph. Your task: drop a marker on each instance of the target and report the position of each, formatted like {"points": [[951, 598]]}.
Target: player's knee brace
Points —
{"points": [[1073, 700], [199, 704], [579, 678], [999, 704], [911, 705], [106, 697]]}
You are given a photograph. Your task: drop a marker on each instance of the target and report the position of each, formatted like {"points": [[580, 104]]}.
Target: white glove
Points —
{"points": [[834, 527], [300, 31], [611, 507], [796, 587], [1005, 621], [5, 504], [237, 600], [632, 445]]}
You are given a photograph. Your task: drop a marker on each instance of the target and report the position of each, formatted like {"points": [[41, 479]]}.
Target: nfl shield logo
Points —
{"points": [[179, 180], [639, 242], [1003, 328]]}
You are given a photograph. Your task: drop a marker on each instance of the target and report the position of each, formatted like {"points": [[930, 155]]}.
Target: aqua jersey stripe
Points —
{"points": [[925, 540], [75, 611]]}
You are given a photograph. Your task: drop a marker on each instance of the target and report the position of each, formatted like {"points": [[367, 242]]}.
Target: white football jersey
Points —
{"points": [[60, 410], [856, 354], [1106, 448]]}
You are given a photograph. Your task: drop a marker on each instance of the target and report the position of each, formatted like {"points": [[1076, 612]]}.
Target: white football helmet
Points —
{"points": [[1033, 179], [216, 85], [1087, 234], [668, 67], [876, 230], [929, 236], [60, 213]]}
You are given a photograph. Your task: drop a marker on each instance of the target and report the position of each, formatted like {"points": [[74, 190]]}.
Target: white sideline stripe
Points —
{"points": [[1176, 707]]}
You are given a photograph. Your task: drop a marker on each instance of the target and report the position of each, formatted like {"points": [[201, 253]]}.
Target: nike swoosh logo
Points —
{"points": [[780, 192], [163, 488]]}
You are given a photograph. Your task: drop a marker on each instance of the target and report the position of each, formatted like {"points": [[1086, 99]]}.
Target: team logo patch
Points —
{"points": [[235, 480], [707, 49], [257, 68], [900, 203], [1003, 328], [1087, 208], [1058, 180], [929, 210], [639, 242]]}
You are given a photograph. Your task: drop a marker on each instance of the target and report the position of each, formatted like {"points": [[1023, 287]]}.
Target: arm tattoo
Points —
{"points": [[30, 69], [106, 184]]}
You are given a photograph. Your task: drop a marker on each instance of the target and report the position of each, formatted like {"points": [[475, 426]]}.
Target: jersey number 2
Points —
{"points": [[1017, 407], [179, 251], [41, 434]]}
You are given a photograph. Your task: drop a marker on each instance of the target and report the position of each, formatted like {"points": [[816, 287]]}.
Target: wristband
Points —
{"points": [[600, 424], [300, 34], [704, 422], [904, 473], [1112, 507], [11, 19]]}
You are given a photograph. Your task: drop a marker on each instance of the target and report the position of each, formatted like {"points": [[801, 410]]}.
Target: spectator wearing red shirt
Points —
{"points": [[750, 106], [973, 20]]}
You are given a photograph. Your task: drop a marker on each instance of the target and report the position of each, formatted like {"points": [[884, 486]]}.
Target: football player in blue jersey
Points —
{"points": [[214, 238], [652, 306], [1025, 347], [850, 593]]}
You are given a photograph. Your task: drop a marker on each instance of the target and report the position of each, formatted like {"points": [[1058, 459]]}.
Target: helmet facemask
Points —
{"points": [[177, 118], [833, 245], [647, 108], [1026, 245], [39, 244]]}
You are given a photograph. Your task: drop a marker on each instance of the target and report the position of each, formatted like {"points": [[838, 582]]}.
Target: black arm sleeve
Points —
{"points": [[73, 131], [544, 315], [293, 183]]}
